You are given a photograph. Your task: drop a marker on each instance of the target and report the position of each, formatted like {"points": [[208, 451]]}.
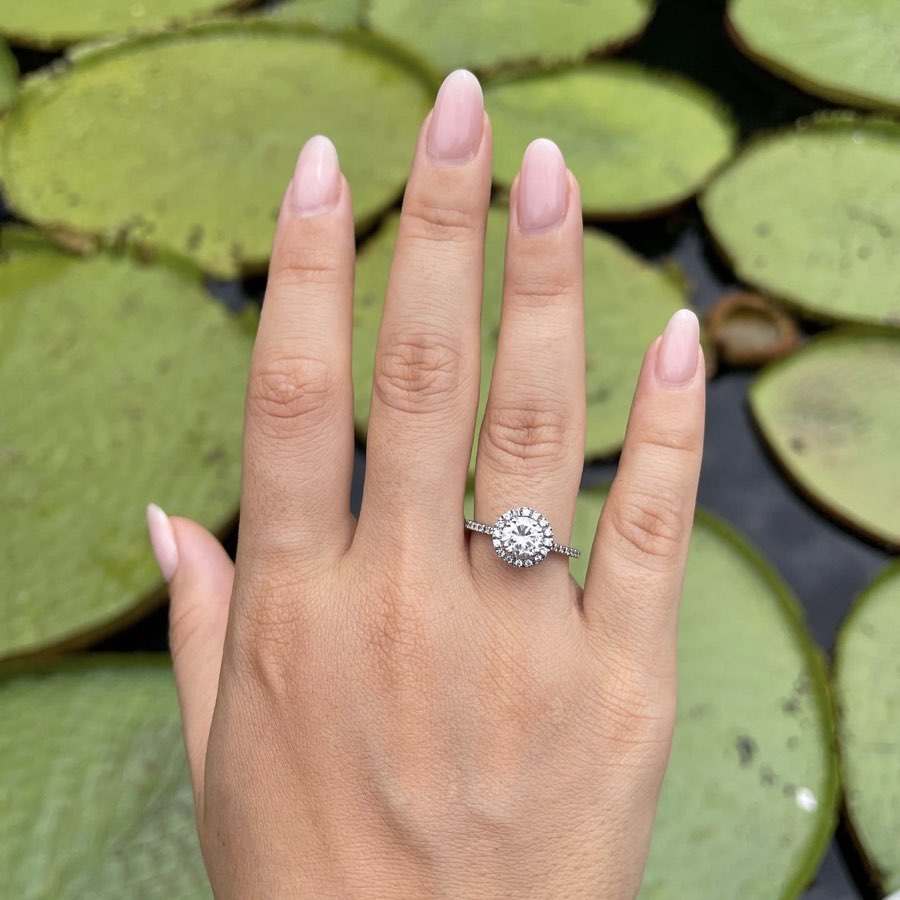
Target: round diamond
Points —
{"points": [[520, 538]]}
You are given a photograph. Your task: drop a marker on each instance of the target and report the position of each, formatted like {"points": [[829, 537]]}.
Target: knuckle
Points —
{"points": [[418, 373], [520, 439], [305, 264], [669, 442], [648, 524], [186, 624], [432, 222], [538, 289], [638, 712], [290, 389]]}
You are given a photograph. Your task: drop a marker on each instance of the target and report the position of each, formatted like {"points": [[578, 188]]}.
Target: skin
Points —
{"points": [[380, 707]]}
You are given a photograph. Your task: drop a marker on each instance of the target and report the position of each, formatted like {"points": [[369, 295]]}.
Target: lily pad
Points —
{"points": [[489, 34], [119, 384], [831, 415], [50, 24], [867, 692], [749, 329], [749, 799], [628, 303], [9, 76], [97, 797], [324, 13], [186, 141], [846, 52], [639, 141], [811, 215]]}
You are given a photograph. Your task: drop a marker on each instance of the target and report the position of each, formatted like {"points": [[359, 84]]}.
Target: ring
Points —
{"points": [[522, 537]]}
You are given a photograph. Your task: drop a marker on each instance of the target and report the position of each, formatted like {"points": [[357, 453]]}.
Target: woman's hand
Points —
{"points": [[382, 707]]}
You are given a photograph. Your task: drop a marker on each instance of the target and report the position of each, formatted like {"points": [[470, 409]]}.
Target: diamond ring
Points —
{"points": [[522, 537]]}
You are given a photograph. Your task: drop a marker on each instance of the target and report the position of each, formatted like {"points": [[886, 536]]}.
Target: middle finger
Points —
{"points": [[426, 382]]}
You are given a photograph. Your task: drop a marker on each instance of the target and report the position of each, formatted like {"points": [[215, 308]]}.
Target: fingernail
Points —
{"points": [[543, 186], [317, 178], [162, 538], [679, 350], [454, 132]]}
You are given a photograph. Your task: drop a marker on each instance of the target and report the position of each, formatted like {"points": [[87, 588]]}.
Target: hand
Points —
{"points": [[382, 708]]}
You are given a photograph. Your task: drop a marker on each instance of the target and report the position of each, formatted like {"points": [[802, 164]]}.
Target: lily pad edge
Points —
{"points": [[798, 78], [817, 503], [33, 86], [886, 573], [837, 119], [679, 82]]}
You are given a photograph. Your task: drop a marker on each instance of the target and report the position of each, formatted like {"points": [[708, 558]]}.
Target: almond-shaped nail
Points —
{"points": [[162, 539], [679, 350], [457, 121], [543, 187], [317, 178]]}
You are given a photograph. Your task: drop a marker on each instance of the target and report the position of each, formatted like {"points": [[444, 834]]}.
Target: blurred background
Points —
{"points": [[742, 158]]}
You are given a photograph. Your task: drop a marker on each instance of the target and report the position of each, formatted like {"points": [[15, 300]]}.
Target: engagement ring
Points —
{"points": [[522, 537]]}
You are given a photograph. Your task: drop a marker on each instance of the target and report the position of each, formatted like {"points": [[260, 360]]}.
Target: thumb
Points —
{"points": [[200, 577]]}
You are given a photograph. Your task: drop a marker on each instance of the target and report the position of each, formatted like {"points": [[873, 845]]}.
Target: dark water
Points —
{"points": [[825, 565]]}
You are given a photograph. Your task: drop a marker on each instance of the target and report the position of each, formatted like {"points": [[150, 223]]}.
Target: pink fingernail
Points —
{"points": [[457, 121], [317, 178], [679, 350], [543, 186], [162, 539]]}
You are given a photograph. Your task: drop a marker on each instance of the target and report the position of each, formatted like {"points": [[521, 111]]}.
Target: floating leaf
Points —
{"points": [[51, 24], [119, 384], [749, 329], [846, 52], [867, 693], [491, 34], [811, 215], [749, 800], [628, 303], [831, 415], [186, 141], [639, 141], [9, 76], [96, 795], [324, 13]]}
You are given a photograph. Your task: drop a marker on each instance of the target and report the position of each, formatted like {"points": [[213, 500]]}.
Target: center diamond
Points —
{"points": [[522, 537]]}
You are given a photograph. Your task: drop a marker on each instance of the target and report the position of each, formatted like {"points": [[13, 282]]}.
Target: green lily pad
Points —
{"points": [[846, 52], [324, 13], [639, 141], [97, 797], [867, 693], [627, 304], [50, 24], [119, 384], [9, 76], [831, 415], [489, 34], [186, 141], [811, 215], [749, 800]]}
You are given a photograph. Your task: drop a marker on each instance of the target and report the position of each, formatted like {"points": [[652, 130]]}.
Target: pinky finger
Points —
{"points": [[633, 587], [200, 577]]}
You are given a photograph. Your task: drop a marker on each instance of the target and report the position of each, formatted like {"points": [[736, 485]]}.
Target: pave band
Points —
{"points": [[522, 537]]}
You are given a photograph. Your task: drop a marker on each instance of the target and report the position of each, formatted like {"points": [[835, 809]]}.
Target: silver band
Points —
{"points": [[522, 537]]}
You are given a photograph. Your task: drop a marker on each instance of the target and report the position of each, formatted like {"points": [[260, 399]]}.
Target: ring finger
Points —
{"points": [[531, 446]]}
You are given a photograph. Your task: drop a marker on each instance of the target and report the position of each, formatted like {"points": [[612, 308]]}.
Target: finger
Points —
{"points": [[200, 577], [635, 576], [298, 431], [531, 446], [426, 384]]}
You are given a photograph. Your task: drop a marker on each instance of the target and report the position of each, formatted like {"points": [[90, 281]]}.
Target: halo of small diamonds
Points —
{"points": [[522, 537]]}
